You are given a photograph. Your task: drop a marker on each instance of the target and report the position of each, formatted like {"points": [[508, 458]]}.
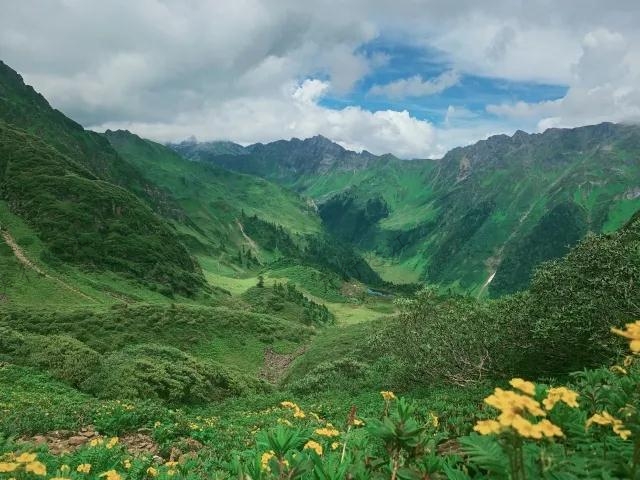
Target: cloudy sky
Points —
{"points": [[411, 77]]}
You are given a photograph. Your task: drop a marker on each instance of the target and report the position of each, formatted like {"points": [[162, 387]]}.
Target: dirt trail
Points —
{"points": [[22, 258]]}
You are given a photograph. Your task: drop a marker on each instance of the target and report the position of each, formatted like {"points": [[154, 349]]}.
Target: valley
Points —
{"points": [[213, 310]]}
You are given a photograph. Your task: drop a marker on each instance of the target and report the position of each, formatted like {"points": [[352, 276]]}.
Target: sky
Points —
{"points": [[411, 77]]}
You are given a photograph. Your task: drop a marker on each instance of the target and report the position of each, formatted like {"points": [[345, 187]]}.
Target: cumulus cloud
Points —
{"points": [[416, 86], [605, 86], [258, 70], [296, 113]]}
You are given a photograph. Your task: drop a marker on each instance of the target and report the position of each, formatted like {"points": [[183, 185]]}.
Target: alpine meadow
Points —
{"points": [[345, 240]]}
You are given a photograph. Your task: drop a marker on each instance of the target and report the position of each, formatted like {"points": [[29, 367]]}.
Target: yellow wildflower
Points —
{"points": [[618, 429], [388, 395], [327, 432], [523, 385], [628, 361], [335, 445], [112, 442], [632, 332], [606, 418], [111, 475], [288, 404], [95, 442], [435, 421], [152, 472], [313, 445], [548, 429], [525, 428], [127, 463], [26, 458], [357, 422], [171, 464], [157, 424], [560, 394], [298, 414], [266, 458], [65, 468], [618, 369], [509, 401], [37, 468], [59, 478], [84, 468], [487, 427], [6, 467]]}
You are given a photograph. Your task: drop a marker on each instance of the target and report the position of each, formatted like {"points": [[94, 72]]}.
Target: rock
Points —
{"points": [[76, 440]]}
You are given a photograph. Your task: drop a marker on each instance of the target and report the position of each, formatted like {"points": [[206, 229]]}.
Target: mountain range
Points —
{"points": [[177, 217]]}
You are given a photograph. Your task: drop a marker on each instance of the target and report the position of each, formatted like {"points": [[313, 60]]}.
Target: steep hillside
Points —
{"points": [[478, 220], [24, 108], [89, 222], [217, 201]]}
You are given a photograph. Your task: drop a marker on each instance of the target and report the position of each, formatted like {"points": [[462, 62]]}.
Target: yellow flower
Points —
{"points": [[315, 446], [388, 395], [171, 464], [434, 420], [327, 432], [560, 394], [6, 467], [628, 361], [548, 429], [525, 428], [112, 442], [618, 429], [605, 418], [288, 404], [111, 475], [487, 427], [284, 421], [618, 369], [357, 422], [37, 468], [59, 478], [152, 472], [509, 401], [26, 458], [524, 386], [127, 463], [632, 332], [157, 424], [335, 445], [65, 468], [95, 442], [266, 458], [84, 468], [299, 414]]}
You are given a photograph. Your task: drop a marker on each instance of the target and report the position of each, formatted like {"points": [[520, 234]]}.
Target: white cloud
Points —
{"points": [[604, 86], [416, 86], [296, 113]]}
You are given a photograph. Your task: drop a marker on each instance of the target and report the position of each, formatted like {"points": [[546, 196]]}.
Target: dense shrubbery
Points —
{"points": [[165, 373]]}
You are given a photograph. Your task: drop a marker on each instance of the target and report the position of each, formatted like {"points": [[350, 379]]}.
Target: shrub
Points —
{"points": [[165, 373]]}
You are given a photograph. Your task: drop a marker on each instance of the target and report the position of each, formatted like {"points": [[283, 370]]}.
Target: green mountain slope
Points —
{"points": [[86, 221], [478, 220], [217, 202]]}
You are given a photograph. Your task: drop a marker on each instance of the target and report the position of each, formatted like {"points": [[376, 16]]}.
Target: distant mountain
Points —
{"points": [[478, 220], [283, 161], [194, 150]]}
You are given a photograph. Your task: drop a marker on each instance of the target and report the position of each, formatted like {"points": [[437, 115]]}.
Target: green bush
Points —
{"points": [[160, 372], [63, 357]]}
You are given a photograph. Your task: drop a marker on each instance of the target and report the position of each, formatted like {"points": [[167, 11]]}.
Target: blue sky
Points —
{"points": [[473, 93]]}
